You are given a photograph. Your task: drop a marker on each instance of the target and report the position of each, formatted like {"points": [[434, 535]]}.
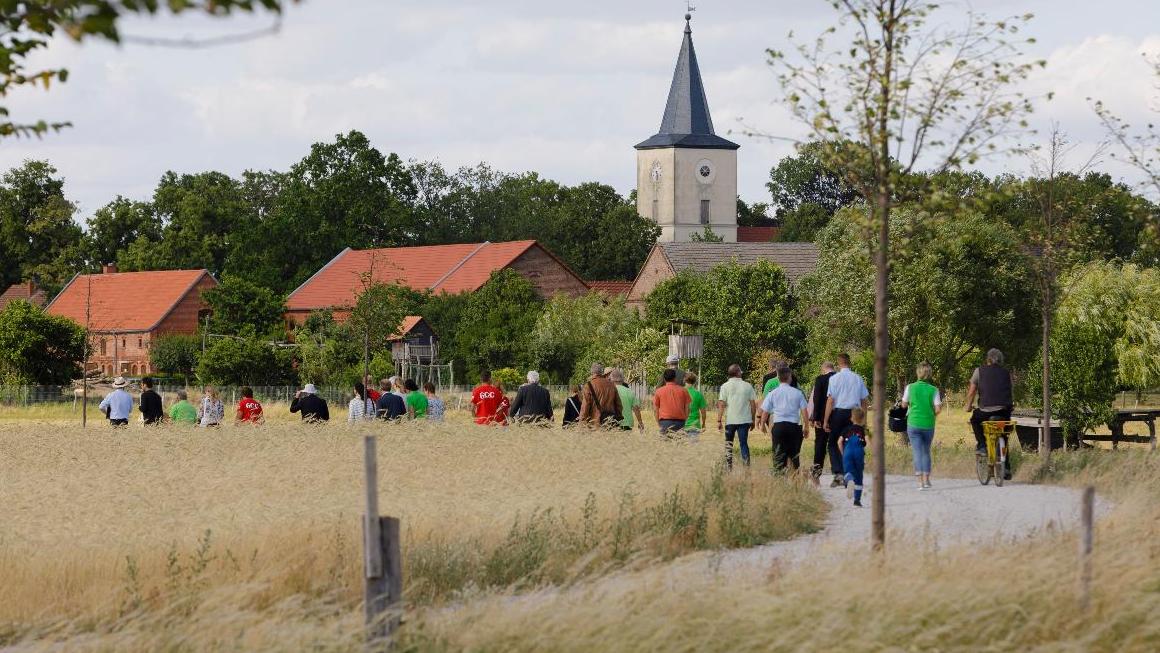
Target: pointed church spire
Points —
{"points": [[687, 122]]}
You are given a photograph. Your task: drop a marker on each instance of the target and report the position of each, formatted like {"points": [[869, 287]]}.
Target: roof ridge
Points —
{"points": [[455, 268], [318, 272]]}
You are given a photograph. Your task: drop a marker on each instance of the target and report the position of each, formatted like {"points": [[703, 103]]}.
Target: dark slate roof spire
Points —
{"points": [[687, 122]]}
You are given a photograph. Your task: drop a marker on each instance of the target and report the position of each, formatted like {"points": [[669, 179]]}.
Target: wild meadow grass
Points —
{"points": [[249, 538]]}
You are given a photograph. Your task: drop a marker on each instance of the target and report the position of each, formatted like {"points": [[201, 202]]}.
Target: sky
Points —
{"points": [[563, 89]]}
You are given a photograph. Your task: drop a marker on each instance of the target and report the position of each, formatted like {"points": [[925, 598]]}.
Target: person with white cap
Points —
{"points": [[118, 404], [533, 401], [312, 407], [673, 362]]}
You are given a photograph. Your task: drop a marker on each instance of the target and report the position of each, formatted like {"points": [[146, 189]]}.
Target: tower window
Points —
{"points": [[704, 211], [656, 210]]}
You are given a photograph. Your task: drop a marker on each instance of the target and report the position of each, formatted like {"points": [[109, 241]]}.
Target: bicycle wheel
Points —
{"points": [[998, 474], [982, 469]]}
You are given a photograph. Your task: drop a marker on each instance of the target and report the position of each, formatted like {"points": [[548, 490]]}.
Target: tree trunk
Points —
{"points": [[1045, 429], [878, 395]]}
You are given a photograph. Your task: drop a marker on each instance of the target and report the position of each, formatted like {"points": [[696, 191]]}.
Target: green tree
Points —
{"points": [[200, 215], [116, 226], [246, 361], [38, 348], [958, 286], [707, 235], [1106, 335], [497, 322], [38, 238], [31, 26], [376, 316], [328, 352], [753, 215], [175, 354], [807, 192], [568, 328], [242, 307], [742, 309]]}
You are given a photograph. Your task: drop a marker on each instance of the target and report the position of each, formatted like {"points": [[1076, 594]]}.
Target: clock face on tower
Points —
{"points": [[705, 171]]}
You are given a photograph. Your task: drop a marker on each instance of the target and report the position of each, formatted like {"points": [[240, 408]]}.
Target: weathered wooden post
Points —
{"points": [[384, 565], [1086, 517]]}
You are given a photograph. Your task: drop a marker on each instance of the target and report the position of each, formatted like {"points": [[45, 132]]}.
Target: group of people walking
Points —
{"points": [[835, 409]]}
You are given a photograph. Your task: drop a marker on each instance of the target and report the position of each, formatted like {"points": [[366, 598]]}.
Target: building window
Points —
{"points": [[704, 211], [140, 343], [656, 210], [124, 344], [104, 347]]}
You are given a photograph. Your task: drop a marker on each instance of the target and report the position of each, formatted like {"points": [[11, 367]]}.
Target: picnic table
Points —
{"points": [[1029, 422]]}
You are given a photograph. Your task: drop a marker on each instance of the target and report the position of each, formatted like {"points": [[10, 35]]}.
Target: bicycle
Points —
{"points": [[993, 463]]}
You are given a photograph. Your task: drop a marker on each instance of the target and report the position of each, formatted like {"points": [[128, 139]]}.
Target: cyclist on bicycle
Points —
{"points": [[992, 385]]}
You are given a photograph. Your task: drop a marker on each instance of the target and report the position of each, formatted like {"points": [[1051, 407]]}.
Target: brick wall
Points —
{"points": [[184, 316], [655, 270], [548, 275], [120, 353]]}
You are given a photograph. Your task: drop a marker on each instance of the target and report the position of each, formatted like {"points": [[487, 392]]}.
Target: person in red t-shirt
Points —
{"points": [[372, 394], [249, 410], [486, 398]]}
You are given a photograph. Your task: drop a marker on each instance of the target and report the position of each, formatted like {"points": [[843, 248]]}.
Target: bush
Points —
{"points": [[175, 354], [246, 361], [38, 348]]}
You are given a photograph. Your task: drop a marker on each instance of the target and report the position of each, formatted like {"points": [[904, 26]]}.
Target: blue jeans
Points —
{"points": [[920, 440], [854, 462], [742, 433]]}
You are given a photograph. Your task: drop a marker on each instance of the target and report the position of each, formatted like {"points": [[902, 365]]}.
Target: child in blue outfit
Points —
{"points": [[852, 444]]}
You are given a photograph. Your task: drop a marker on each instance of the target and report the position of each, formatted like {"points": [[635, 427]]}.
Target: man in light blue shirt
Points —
{"points": [[118, 404], [787, 406], [847, 391], [736, 405]]}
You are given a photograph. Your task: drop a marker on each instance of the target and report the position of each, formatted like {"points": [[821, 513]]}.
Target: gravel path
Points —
{"points": [[954, 511]]}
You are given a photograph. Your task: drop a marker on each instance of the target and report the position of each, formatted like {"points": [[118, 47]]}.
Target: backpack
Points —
{"points": [[897, 415]]}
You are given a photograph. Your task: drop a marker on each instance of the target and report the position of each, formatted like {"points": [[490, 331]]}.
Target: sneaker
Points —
{"points": [[926, 485], [857, 504], [837, 482]]}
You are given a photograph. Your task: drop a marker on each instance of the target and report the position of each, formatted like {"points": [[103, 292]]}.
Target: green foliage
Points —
{"points": [[246, 361], [37, 348], [377, 315], [508, 377], [31, 26], [38, 238], [497, 322], [115, 226], [707, 235], [742, 310], [1106, 338], [329, 353], [958, 286], [242, 307], [175, 354], [585, 327], [807, 192], [753, 215], [640, 355]]}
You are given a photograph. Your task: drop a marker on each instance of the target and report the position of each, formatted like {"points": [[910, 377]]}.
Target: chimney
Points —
{"points": [[109, 268]]}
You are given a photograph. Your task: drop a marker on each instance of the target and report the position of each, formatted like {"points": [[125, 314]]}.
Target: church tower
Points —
{"points": [[686, 175]]}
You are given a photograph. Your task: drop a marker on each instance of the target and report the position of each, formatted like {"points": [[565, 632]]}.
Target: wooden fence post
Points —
{"points": [[1087, 509], [383, 558]]}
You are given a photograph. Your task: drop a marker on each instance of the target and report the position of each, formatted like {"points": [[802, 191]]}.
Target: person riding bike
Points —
{"points": [[992, 385]]}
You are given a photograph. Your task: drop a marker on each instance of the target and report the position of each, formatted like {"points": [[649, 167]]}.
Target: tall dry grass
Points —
{"points": [[248, 538]]}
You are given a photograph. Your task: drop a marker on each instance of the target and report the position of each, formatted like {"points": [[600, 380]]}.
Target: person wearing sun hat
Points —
{"points": [[673, 362], [118, 404], [312, 407]]}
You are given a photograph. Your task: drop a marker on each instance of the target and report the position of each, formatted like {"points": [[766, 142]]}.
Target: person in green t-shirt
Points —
{"points": [[183, 412], [923, 403], [697, 410], [769, 386], [416, 401], [629, 404]]}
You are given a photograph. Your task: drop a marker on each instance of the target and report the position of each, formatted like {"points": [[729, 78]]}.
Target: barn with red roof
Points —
{"points": [[437, 269], [125, 311]]}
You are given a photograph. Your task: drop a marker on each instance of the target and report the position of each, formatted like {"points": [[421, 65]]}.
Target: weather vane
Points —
{"points": [[689, 8]]}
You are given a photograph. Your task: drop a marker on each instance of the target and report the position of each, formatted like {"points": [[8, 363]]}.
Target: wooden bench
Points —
{"points": [[1029, 422]]}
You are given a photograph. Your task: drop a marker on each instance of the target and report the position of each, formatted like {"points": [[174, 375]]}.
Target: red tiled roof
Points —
{"points": [[756, 234], [22, 291], [125, 301], [409, 323], [611, 287], [438, 268]]}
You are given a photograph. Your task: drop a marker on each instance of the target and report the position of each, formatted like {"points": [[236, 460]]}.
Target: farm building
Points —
{"points": [[125, 311], [414, 346], [435, 268], [27, 291], [666, 259]]}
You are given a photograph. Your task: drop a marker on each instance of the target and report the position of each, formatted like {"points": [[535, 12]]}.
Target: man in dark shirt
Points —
{"points": [[151, 410], [533, 401], [992, 385], [312, 407], [390, 405], [822, 442]]}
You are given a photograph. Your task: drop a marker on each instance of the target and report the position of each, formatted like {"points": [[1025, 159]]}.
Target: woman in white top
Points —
{"points": [[212, 411], [360, 408]]}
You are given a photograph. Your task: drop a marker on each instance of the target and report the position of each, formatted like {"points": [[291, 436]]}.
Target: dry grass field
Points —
{"points": [[248, 539]]}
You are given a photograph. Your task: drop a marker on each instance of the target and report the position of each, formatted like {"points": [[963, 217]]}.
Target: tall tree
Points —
{"points": [[116, 226], [807, 193], [908, 93], [241, 307], [38, 238], [38, 348]]}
